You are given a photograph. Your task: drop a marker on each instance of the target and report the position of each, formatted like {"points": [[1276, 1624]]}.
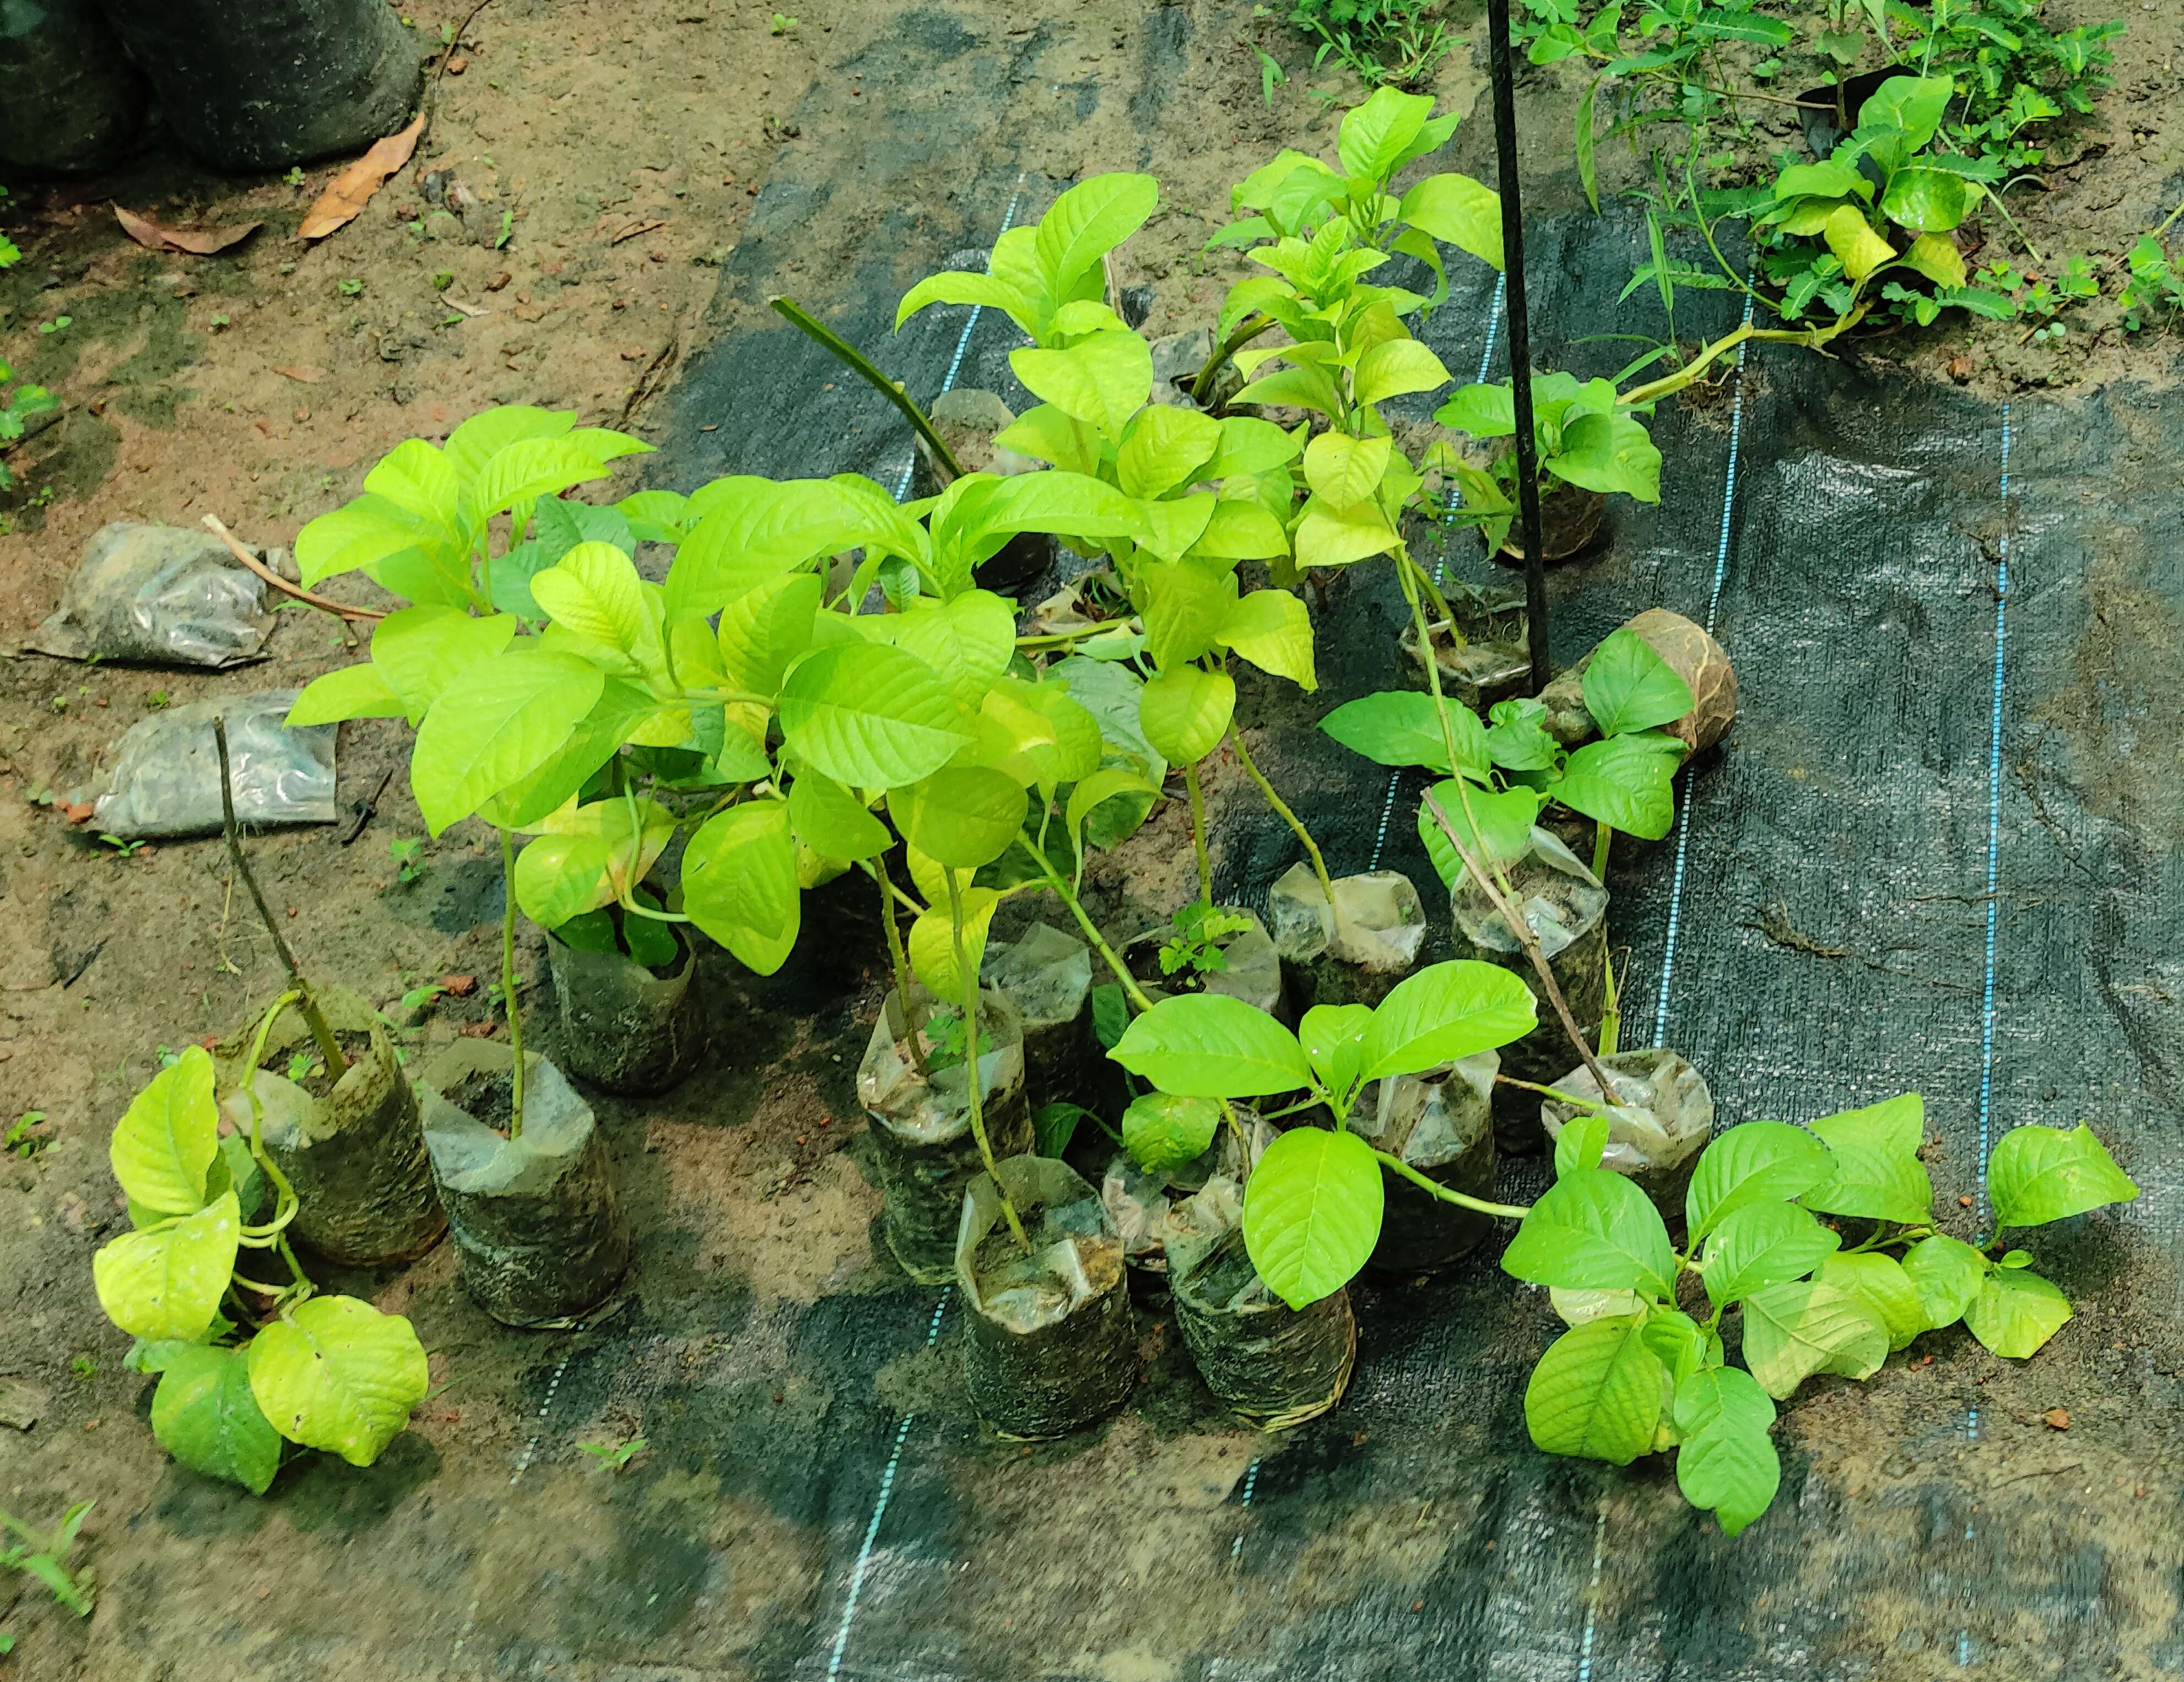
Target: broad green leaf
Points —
{"points": [[1499, 826], [1935, 256], [870, 716], [1186, 603], [1272, 629], [1628, 687], [1334, 1040], [1896, 1124], [1876, 1172], [417, 476], [932, 943], [1163, 446], [755, 529], [1185, 711], [1457, 211], [418, 651], [1756, 1162], [1482, 411], [2014, 1313], [1210, 1046], [1251, 446], [764, 632], [586, 857], [1881, 1283], [2040, 1174], [593, 592], [1331, 535], [1856, 245], [494, 725], [1087, 222], [1077, 746], [960, 286], [336, 1374], [1596, 1393], [961, 816], [967, 640], [739, 883], [1162, 1132], [1627, 782], [1796, 1329], [1445, 1012], [1376, 136], [622, 709], [1346, 470], [1102, 379], [1395, 367], [1311, 1209], [1826, 179], [1516, 740], [1906, 112], [1593, 1230], [1402, 728], [204, 1415], [1721, 1399], [1611, 453], [525, 471], [1946, 1274], [165, 1141], [1761, 1244], [1927, 201], [1581, 1143], [358, 691], [1732, 1472], [477, 440], [1174, 527], [1112, 782], [831, 821], [1236, 530], [363, 535], [167, 1282]]}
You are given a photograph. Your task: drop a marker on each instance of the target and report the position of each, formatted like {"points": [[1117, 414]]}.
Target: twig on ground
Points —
{"points": [[235, 548]]}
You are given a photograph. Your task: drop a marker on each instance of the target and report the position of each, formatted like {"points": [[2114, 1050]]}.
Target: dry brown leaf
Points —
{"points": [[345, 197], [192, 241], [302, 372]]}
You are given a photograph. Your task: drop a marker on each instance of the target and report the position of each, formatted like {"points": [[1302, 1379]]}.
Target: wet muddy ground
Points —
{"points": [[814, 1499]]}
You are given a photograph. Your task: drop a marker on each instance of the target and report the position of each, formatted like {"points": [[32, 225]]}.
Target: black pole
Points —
{"points": [[1520, 332]]}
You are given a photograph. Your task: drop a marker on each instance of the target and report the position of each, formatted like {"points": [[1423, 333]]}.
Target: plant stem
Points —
{"points": [[1433, 595], [900, 960], [1602, 835], [1289, 817], [1201, 388], [972, 1081], [1513, 1211], [321, 1031], [1610, 1015], [508, 984], [1129, 982], [1553, 1092], [1404, 574], [867, 371], [1198, 833], [1812, 338]]}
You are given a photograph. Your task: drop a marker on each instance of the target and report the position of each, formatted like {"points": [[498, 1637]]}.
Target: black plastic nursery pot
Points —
{"points": [[926, 1153], [538, 1219], [625, 1027], [1047, 1345], [1692, 653], [1350, 950], [1566, 908], [1047, 975], [1441, 1123], [352, 1147], [1254, 973], [1272, 1365], [1492, 663], [1660, 1121]]}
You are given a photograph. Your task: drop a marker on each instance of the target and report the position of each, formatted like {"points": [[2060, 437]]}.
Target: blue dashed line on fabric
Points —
{"points": [[1250, 1483], [1994, 831]]}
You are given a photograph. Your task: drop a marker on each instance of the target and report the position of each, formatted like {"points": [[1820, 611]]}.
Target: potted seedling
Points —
{"points": [[1689, 651], [246, 1368], [1310, 1211], [342, 1121], [1048, 976]]}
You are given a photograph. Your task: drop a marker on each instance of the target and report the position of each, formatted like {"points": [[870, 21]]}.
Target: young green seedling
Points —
{"points": [[45, 1556], [1586, 439]]}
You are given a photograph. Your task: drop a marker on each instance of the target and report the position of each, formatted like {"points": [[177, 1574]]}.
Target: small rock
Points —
{"points": [[1964, 1202], [2057, 1418], [457, 65], [499, 280], [21, 1402]]}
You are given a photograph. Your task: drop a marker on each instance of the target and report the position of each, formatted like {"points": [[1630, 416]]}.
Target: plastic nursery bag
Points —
{"points": [[164, 779], [158, 595]]}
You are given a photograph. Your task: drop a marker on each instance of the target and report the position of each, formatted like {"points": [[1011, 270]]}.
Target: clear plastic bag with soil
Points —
{"points": [[625, 1026], [352, 1146], [1272, 1365], [275, 82], [1493, 663], [163, 779], [1661, 1120], [1047, 975], [1694, 656], [73, 102], [1251, 968], [1566, 908], [1440, 1122], [538, 1219], [924, 1151], [1047, 1345], [1352, 951], [158, 595], [1143, 1203]]}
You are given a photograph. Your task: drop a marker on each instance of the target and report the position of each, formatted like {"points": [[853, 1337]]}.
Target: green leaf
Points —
{"points": [[1163, 446], [739, 883], [967, 640], [1734, 1473], [1087, 222], [1311, 1209], [336, 1374], [1906, 111], [204, 1415], [1592, 1229], [1927, 201], [1946, 1274], [1102, 379], [1825, 180], [1395, 367], [1516, 740], [2040, 1174], [1402, 728], [524, 471], [960, 286], [1272, 629], [1251, 446], [962, 817], [1328, 535], [365, 534], [870, 716], [763, 631], [1346, 470], [1935, 256], [1184, 712], [496, 724], [477, 440], [593, 592], [1481, 411], [1162, 1132], [1876, 1174], [358, 691], [621, 709], [1054, 1125], [1334, 1040], [932, 944], [1499, 826], [1445, 1012], [1628, 687], [753, 530], [1756, 1162], [167, 1140], [1856, 245], [831, 821], [1879, 1282], [2014, 1313], [1240, 531], [588, 859], [1459, 211], [1721, 1399], [1583, 142], [167, 1282], [1210, 1046], [1596, 1393], [418, 651], [1610, 454], [1377, 136], [1764, 1244], [1796, 1329], [1581, 1143], [1627, 782]]}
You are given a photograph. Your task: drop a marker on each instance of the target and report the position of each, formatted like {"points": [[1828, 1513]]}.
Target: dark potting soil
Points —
{"points": [[487, 1098], [319, 1080]]}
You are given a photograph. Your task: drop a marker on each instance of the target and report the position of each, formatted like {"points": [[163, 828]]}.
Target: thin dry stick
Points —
{"points": [[1530, 942], [234, 548], [329, 1047]]}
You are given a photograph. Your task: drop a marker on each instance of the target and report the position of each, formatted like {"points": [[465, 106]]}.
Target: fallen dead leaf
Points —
{"points": [[476, 1030], [193, 242], [457, 65], [2057, 1418], [344, 199], [302, 372]]}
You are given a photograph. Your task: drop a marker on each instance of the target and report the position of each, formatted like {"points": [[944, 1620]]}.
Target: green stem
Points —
{"points": [[1198, 833], [1516, 1211], [508, 984], [1289, 817], [869, 372], [1812, 338], [1553, 1092], [900, 960], [1434, 595], [1610, 1015], [1054, 637], [1129, 982], [285, 1200], [1404, 574], [972, 1081], [1201, 388], [1602, 835]]}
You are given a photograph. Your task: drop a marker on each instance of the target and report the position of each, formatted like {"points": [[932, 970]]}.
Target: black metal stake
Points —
{"points": [[1520, 332]]}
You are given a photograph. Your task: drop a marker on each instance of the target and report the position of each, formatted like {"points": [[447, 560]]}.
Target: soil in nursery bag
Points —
{"points": [[158, 595], [1442, 1124], [1494, 661], [538, 1219], [1251, 967], [625, 1026], [1047, 975], [1660, 1120], [1047, 1344]]}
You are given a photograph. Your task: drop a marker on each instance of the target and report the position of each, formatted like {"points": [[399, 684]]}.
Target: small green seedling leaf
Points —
{"points": [[1758, 1163], [1582, 1143], [1445, 1012], [1593, 1230], [1311, 1212], [1596, 1392], [1946, 1274], [2016, 1311], [1162, 1132], [1210, 1046], [1796, 1329]]}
